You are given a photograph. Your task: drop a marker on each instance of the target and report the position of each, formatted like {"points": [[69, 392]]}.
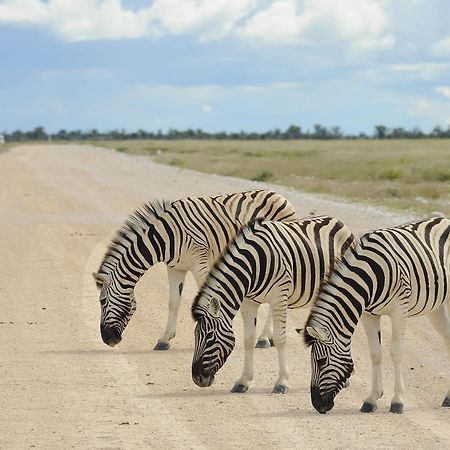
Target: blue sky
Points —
{"points": [[228, 65]]}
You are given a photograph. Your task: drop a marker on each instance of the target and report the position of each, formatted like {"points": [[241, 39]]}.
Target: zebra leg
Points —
{"points": [[441, 322], [176, 280], [265, 339], [249, 311], [372, 328], [279, 312], [398, 327]]}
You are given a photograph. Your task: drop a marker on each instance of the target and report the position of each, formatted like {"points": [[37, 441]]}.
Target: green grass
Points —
{"points": [[5, 147], [400, 174]]}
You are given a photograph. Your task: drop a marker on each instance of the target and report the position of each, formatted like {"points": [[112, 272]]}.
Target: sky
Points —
{"points": [[224, 65]]}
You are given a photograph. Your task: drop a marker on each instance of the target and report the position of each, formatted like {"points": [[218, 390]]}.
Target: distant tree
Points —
{"points": [[320, 132], [18, 136], [38, 134], [381, 132], [61, 134], [336, 133], [416, 133], [294, 132], [94, 134], [398, 133], [438, 132]]}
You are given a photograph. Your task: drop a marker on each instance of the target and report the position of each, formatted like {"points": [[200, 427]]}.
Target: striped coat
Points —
{"points": [[187, 235], [401, 272]]}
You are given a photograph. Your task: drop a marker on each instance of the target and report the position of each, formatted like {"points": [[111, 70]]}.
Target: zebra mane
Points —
{"points": [[251, 225], [340, 261], [140, 220], [194, 308], [307, 339]]}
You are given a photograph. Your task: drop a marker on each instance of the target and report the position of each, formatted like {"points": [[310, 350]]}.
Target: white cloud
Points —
{"points": [[425, 71], [362, 23], [207, 108], [420, 107], [109, 19], [154, 92], [442, 47], [209, 19], [443, 90], [278, 23], [80, 20], [436, 111], [23, 11], [279, 86]]}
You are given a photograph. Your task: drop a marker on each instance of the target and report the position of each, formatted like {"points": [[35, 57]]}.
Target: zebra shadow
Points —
{"points": [[185, 393], [309, 411], [79, 352]]}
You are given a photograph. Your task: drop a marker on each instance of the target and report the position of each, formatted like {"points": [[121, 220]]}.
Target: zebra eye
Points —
{"points": [[103, 301], [321, 362]]}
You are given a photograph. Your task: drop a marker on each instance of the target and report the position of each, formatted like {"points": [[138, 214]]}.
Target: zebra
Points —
{"points": [[187, 235], [268, 262], [401, 272]]}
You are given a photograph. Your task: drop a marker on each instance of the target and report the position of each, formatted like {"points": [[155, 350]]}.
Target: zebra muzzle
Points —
{"points": [[200, 377], [321, 402], [110, 335]]}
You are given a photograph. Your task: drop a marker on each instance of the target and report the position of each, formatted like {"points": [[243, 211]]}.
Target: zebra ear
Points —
{"points": [[317, 333], [214, 307], [100, 279]]}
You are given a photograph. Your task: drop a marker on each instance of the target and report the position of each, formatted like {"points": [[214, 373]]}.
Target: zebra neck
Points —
{"points": [[231, 291], [134, 253]]}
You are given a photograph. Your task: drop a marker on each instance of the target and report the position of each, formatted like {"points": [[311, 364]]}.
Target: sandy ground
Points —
{"points": [[61, 387]]}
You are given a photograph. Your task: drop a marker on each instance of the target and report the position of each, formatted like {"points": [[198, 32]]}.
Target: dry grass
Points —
{"points": [[401, 174]]}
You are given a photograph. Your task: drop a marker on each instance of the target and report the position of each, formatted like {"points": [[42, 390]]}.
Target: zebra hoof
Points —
{"points": [[239, 388], [396, 408], [280, 389], [161, 346], [446, 402], [368, 407], [263, 343]]}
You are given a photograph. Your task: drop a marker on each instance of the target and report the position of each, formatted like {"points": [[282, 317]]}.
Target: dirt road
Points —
{"points": [[61, 387]]}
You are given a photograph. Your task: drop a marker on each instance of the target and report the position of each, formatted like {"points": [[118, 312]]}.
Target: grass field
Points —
{"points": [[400, 174]]}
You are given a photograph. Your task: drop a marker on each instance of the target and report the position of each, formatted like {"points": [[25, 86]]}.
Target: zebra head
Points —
{"points": [[331, 366], [214, 339], [117, 308]]}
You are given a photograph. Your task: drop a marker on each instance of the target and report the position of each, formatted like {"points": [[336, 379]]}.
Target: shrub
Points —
{"points": [[265, 175], [389, 174]]}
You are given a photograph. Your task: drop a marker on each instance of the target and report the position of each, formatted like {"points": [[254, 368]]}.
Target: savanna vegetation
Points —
{"points": [[411, 174], [318, 132], [393, 167]]}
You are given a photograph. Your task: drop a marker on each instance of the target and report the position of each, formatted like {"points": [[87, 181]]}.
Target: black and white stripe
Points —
{"points": [[400, 272], [282, 264], [187, 235]]}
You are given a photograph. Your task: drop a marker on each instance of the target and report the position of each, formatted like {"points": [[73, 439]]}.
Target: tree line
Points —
{"points": [[292, 132]]}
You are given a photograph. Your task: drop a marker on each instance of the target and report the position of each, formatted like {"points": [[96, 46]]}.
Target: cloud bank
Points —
{"points": [[360, 23]]}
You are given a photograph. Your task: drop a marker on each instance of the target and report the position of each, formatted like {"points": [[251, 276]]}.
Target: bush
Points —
{"points": [[389, 174], [265, 175]]}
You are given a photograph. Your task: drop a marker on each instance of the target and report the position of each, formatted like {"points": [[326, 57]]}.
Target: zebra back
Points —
{"points": [[163, 231], [407, 264], [268, 257]]}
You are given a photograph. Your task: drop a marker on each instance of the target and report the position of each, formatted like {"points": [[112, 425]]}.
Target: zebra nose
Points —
{"points": [[199, 376], [322, 403], [110, 335]]}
